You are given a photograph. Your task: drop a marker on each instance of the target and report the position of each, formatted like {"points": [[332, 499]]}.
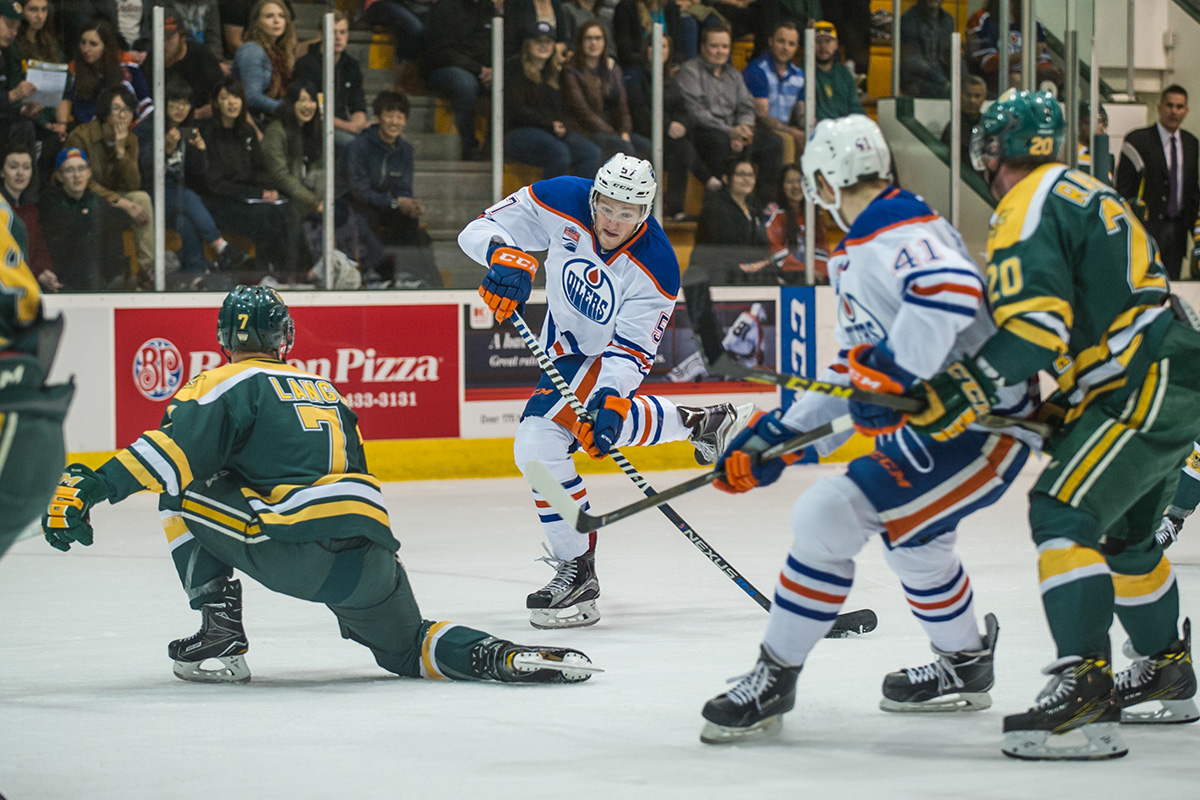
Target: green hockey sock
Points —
{"points": [[1148, 607], [446, 651]]}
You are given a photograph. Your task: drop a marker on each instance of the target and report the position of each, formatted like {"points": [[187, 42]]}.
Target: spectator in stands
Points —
{"points": [[235, 19], [16, 113], [292, 147], [594, 94], [632, 25], [577, 13], [974, 92], [785, 233], [16, 180], [193, 63], [753, 17], [76, 16], [521, 15], [925, 54], [722, 111], [853, 19], [81, 229], [801, 12], [380, 168], [200, 21], [101, 65], [983, 43], [458, 58], [349, 102], [1084, 157], [112, 152], [240, 194], [129, 22], [405, 20], [186, 163], [265, 60], [37, 40], [534, 117], [731, 239], [777, 86], [837, 95]]}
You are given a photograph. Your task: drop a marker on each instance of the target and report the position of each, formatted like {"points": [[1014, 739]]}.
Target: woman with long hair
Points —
{"points": [[785, 231], [292, 147], [533, 113], [101, 65], [731, 238], [266, 58], [239, 191], [36, 40], [594, 94]]}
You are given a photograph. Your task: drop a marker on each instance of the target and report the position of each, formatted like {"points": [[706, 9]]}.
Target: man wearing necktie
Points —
{"points": [[1159, 167]]}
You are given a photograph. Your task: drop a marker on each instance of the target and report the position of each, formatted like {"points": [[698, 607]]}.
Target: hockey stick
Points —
{"points": [[560, 499], [708, 338], [619, 458]]}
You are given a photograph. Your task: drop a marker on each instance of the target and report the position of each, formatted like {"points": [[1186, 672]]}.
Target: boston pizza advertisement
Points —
{"points": [[396, 366]]}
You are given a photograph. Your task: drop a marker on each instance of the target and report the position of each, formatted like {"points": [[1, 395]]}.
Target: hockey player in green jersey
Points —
{"points": [[260, 467], [1076, 288], [31, 413]]}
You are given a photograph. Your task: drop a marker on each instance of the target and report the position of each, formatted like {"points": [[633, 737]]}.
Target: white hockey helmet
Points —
{"points": [[759, 312], [628, 179], [844, 151]]}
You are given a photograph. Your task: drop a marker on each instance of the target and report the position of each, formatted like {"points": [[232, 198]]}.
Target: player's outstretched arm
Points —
{"points": [[68, 517]]}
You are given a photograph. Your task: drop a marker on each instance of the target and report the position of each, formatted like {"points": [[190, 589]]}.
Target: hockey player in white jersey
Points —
{"points": [[611, 283], [910, 300], [743, 340]]}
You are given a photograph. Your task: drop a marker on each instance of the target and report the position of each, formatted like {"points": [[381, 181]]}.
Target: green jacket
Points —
{"points": [[303, 184], [837, 95]]}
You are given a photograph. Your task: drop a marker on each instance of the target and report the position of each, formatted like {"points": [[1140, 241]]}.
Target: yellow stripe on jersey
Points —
{"points": [[325, 510], [174, 527], [1062, 561], [139, 472], [1045, 304], [231, 523], [1009, 219], [1139, 590], [173, 453], [1036, 334], [15, 276], [280, 493], [428, 662], [1065, 487]]}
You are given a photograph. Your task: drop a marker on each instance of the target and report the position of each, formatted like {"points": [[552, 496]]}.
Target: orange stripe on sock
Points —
{"points": [[945, 603], [812, 594]]}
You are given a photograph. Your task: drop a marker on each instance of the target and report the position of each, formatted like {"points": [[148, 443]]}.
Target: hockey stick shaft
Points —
{"points": [[619, 459], [708, 336], [562, 502]]}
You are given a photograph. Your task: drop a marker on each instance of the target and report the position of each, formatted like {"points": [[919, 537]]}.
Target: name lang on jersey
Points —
{"points": [[305, 390], [589, 289]]}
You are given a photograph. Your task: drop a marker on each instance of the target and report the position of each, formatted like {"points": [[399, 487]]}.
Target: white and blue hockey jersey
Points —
{"points": [[905, 282], [613, 305]]}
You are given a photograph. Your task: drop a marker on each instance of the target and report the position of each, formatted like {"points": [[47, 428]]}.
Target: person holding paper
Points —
{"points": [[15, 111]]}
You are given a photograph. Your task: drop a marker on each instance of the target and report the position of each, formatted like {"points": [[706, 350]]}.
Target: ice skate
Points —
{"points": [[713, 426], [1167, 677], [955, 682], [501, 660], [569, 599], [754, 708], [1079, 697], [221, 639]]}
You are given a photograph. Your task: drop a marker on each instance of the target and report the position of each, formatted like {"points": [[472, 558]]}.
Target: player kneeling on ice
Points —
{"points": [[910, 300], [260, 467], [1078, 290], [611, 283]]}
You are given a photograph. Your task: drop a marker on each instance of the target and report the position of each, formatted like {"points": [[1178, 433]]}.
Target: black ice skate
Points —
{"points": [[754, 708], [955, 682], [1080, 696], [713, 426], [1167, 677], [220, 638], [500, 660], [569, 599]]}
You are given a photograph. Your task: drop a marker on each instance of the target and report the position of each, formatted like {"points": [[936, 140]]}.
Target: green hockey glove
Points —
{"points": [[953, 399], [68, 518]]}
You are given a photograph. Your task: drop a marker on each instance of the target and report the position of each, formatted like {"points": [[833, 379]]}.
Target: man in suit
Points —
{"points": [[1159, 167]]}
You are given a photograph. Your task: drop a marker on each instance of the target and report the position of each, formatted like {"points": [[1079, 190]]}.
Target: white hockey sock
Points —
{"points": [[939, 592], [652, 420], [540, 439], [808, 597], [565, 542]]}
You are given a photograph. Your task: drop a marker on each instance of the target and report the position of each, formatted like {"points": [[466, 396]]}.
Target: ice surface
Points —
{"points": [[89, 708]]}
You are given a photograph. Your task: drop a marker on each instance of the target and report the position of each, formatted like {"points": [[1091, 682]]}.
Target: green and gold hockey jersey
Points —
{"points": [[1075, 285], [287, 438], [20, 296]]}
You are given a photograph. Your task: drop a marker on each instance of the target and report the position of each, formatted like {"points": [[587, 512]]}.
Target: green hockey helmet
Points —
{"points": [[1019, 125], [255, 319]]}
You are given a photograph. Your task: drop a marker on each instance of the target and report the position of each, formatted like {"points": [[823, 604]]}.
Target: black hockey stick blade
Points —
{"points": [[707, 332], [561, 501], [852, 622]]}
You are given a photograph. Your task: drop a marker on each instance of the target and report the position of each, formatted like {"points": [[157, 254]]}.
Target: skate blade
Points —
{"points": [[573, 666], [1171, 712], [233, 669], [1103, 741], [579, 615], [721, 734], [963, 701]]}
